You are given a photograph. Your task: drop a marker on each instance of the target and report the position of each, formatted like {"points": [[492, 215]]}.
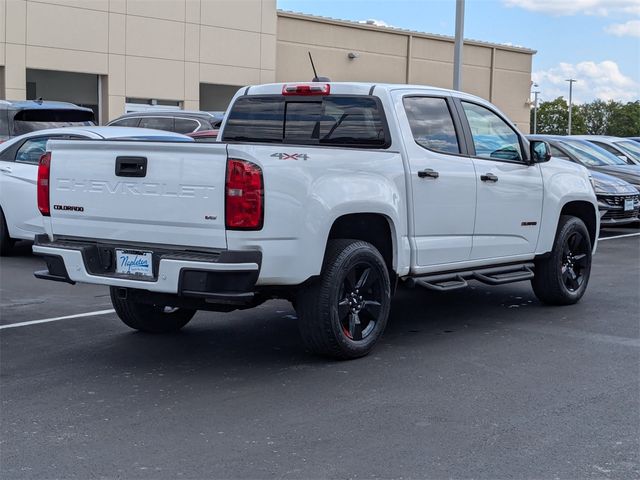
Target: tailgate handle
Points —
{"points": [[131, 166]]}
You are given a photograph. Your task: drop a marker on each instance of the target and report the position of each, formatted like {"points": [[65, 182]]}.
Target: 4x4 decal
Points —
{"points": [[290, 156]]}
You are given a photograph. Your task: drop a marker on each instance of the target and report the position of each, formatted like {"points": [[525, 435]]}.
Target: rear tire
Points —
{"points": [[150, 318], [344, 312], [562, 277], [6, 242]]}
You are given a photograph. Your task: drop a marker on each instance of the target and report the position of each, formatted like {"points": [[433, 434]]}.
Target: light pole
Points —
{"points": [[571, 81], [457, 51], [535, 110]]}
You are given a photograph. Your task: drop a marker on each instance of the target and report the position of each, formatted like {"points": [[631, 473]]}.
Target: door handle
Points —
{"points": [[5, 169], [428, 172], [488, 177]]}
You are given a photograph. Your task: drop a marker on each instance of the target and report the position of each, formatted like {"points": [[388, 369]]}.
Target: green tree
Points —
{"points": [[597, 115], [553, 118], [625, 120]]}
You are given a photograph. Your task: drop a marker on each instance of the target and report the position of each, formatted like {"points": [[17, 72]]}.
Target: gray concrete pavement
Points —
{"points": [[482, 383]]}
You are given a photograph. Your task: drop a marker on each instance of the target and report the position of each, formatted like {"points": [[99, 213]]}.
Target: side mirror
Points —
{"points": [[539, 151]]}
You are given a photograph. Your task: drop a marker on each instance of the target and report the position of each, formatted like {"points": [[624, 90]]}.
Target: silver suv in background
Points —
{"points": [[178, 121], [25, 116]]}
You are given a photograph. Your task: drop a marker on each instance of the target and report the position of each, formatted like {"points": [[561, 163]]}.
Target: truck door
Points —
{"points": [[443, 181], [509, 189]]}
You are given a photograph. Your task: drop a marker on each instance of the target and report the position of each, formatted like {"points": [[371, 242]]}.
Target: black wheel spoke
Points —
{"points": [[355, 327], [350, 280], [364, 278], [573, 279], [343, 308], [575, 240], [372, 308], [580, 259]]}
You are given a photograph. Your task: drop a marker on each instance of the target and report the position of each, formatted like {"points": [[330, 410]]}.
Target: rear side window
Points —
{"points": [[126, 122], [32, 150], [158, 123], [431, 124], [349, 121], [185, 125]]}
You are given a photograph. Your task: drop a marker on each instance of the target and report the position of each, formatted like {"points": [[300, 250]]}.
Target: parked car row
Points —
{"points": [[616, 181]]}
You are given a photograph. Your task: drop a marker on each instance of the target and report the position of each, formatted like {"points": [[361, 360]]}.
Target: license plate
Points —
{"points": [[134, 262], [628, 204]]}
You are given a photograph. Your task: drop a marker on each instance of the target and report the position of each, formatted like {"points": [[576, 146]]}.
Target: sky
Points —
{"points": [[596, 42]]}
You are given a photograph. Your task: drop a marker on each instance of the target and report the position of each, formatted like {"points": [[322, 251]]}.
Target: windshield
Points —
{"points": [[632, 149], [26, 121], [591, 156]]}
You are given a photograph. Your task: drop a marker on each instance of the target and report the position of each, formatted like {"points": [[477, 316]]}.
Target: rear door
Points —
{"points": [[139, 192], [509, 190], [443, 180]]}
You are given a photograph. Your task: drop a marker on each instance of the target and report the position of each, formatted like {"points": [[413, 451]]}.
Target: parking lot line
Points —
{"points": [[619, 236], [67, 317]]}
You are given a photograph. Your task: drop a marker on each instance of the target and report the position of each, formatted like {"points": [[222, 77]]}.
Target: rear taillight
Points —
{"points": [[44, 166], [244, 196]]}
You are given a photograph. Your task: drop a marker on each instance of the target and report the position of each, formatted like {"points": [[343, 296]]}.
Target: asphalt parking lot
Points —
{"points": [[482, 383]]}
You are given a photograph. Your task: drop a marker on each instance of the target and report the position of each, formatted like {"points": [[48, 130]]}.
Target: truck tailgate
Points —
{"points": [[142, 192]]}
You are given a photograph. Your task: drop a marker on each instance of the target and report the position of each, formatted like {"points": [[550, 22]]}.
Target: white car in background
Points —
{"points": [[623, 148], [19, 156]]}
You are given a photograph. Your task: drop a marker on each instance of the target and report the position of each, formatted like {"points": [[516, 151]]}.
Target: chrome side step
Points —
{"points": [[444, 282]]}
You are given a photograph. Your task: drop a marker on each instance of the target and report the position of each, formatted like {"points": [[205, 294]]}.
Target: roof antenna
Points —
{"points": [[316, 78]]}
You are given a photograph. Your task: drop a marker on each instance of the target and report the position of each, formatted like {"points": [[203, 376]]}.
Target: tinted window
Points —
{"points": [[493, 138], [126, 122], [159, 123], [590, 155], [26, 121], [556, 152], [185, 125], [431, 124], [31, 150], [333, 120]]}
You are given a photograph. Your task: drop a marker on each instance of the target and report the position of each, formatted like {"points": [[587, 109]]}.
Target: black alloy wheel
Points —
{"points": [[361, 304], [343, 313], [574, 260]]}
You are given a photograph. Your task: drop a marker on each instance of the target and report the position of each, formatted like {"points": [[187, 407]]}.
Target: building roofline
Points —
{"points": [[399, 31]]}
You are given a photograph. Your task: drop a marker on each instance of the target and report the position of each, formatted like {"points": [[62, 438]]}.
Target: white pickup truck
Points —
{"points": [[325, 194]]}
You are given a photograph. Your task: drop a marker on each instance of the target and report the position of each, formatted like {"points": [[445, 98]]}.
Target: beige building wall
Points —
{"points": [[172, 49], [159, 49], [498, 73]]}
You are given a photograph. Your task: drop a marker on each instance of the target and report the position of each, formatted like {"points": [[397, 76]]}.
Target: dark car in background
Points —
{"points": [[616, 184], [624, 148], [178, 121], [20, 117]]}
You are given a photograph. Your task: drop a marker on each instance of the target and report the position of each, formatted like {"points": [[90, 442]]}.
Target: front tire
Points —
{"points": [[562, 277], [344, 312], [149, 318], [6, 242]]}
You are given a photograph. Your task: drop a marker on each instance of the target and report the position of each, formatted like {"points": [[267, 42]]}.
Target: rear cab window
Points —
{"points": [[355, 121]]}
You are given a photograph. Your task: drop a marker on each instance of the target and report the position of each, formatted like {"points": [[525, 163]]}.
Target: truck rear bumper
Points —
{"points": [[221, 274]]}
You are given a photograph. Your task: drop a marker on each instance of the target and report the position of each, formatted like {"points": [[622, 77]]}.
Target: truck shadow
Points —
{"points": [[266, 339]]}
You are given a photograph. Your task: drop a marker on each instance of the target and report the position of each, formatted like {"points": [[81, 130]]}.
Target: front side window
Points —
{"points": [[493, 138], [556, 152], [431, 124], [350, 121]]}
